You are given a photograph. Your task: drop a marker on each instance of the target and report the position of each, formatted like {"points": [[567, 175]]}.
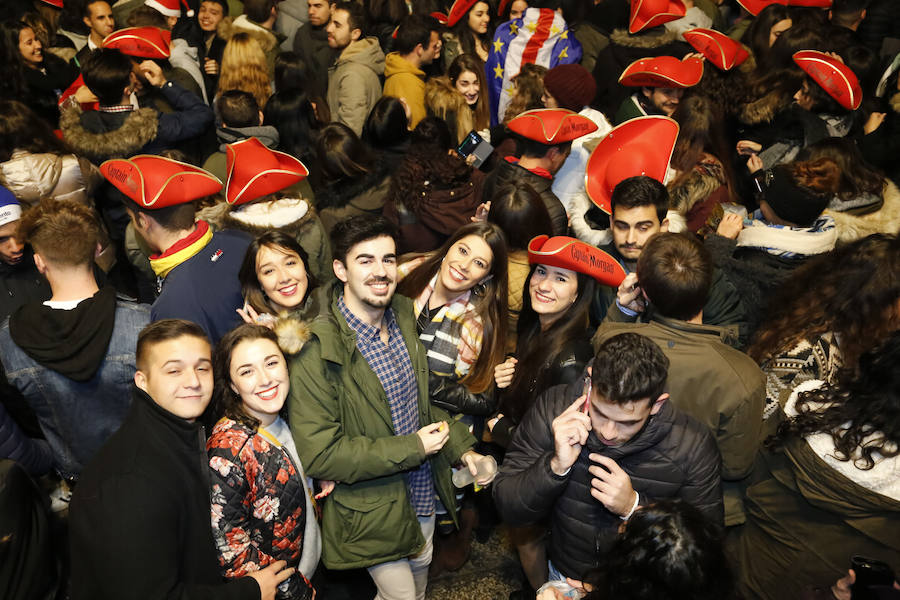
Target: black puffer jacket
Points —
{"points": [[510, 172], [674, 456]]}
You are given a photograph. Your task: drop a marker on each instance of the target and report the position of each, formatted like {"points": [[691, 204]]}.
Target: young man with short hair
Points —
{"points": [[139, 519], [589, 453], [311, 43], [71, 357], [241, 119], [417, 44], [544, 137], [196, 269], [362, 417], [639, 207], [98, 17], [714, 383], [354, 80]]}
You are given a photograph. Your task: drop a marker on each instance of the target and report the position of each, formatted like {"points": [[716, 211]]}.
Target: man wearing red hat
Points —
{"points": [[196, 269], [644, 37], [545, 137], [714, 383], [662, 81]]}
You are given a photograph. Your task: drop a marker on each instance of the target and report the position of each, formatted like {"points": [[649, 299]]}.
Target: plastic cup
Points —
{"points": [[485, 465]]}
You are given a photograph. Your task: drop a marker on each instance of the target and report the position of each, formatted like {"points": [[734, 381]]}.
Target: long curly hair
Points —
{"points": [[529, 89], [490, 304], [244, 68], [427, 160], [860, 411], [856, 175], [852, 291]]}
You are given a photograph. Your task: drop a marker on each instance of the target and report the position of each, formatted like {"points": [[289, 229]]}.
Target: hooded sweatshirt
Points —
{"points": [[354, 84], [405, 80]]}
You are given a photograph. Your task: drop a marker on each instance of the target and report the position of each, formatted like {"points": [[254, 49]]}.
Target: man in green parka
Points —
{"points": [[361, 416]]}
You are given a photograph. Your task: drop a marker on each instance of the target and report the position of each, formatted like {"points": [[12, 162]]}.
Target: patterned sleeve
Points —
{"points": [[234, 500]]}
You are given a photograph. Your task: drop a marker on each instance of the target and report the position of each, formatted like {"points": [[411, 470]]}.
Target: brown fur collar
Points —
{"points": [[884, 220], [221, 216], [693, 189], [654, 38], [764, 109], [241, 24], [292, 333], [136, 132]]}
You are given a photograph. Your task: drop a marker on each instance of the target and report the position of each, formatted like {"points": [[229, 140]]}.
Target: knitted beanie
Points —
{"points": [[10, 210], [794, 203], [572, 85]]}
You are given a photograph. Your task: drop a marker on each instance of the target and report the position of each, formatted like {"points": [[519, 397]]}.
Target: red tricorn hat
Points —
{"points": [[155, 182], [140, 42], [254, 171], [458, 11], [641, 146], [568, 253], [650, 13], [502, 6], [811, 3], [663, 72], [716, 47], [754, 7], [56, 3], [835, 77], [551, 125]]}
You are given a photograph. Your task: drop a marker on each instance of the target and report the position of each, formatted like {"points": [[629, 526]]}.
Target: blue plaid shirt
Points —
{"points": [[393, 368]]}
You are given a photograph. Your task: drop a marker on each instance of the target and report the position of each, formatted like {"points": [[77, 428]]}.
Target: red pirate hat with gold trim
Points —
{"points": [[155, 182], [255, 171], [140, 42], [569, 253], [459, 10], [551, 126], [663, 72], [719, 49], [650, 13], [835, 77], [641, 146]]}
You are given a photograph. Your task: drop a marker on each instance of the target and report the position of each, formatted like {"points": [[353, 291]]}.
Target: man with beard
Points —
{"points": [[639, 205], [361, 416]]}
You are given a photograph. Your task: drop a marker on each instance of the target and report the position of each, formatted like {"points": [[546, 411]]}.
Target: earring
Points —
{"points": [[479, 289]]}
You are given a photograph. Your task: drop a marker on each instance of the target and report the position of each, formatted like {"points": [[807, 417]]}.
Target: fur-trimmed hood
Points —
{"points": [[884, 220], [764, 108], [138, 129], [288, 215], [443, 101], [241, 24], [695, 187], [652, 38], [292, 332]]}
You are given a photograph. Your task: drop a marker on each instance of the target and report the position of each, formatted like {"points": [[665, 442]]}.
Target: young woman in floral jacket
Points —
{"points": [[262, 508]]}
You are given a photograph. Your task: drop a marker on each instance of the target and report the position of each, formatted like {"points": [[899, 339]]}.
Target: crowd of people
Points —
{"points": [[300, 290]]}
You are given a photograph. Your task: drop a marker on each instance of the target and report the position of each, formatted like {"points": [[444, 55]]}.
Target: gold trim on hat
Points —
{"points": [[122, 35], [260, 174], [818, 58], [190, 170]]}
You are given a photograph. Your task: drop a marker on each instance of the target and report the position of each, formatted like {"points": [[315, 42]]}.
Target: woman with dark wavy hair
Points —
{"points": [[828, 313], [832, 488], [433, 191], [261, 506]]}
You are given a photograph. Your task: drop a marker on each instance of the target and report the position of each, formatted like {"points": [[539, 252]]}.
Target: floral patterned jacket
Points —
{"points": [[258, 504]]}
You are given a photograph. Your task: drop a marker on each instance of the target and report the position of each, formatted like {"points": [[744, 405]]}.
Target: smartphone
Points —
{"points": [[587, 394], [869, 573], [475, 144]]}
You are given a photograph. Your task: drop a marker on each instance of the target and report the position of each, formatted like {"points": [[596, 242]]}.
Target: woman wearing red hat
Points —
{"points": [[553, 348], [471, 31]]}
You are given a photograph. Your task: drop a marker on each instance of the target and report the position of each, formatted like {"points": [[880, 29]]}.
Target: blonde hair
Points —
{"points": [[529, 89], [244, 68]]}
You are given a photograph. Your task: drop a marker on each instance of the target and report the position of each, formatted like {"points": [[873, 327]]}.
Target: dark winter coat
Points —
{"points": [[508, 171], [674, 456], [205, 288], [45, 87], [715, 384], [311, 43], [21, 283], [564, 368], [139, 520], [343, 199]]}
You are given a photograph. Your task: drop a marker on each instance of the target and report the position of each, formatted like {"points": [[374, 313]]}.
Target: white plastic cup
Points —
{"points": [[485, 465]]}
